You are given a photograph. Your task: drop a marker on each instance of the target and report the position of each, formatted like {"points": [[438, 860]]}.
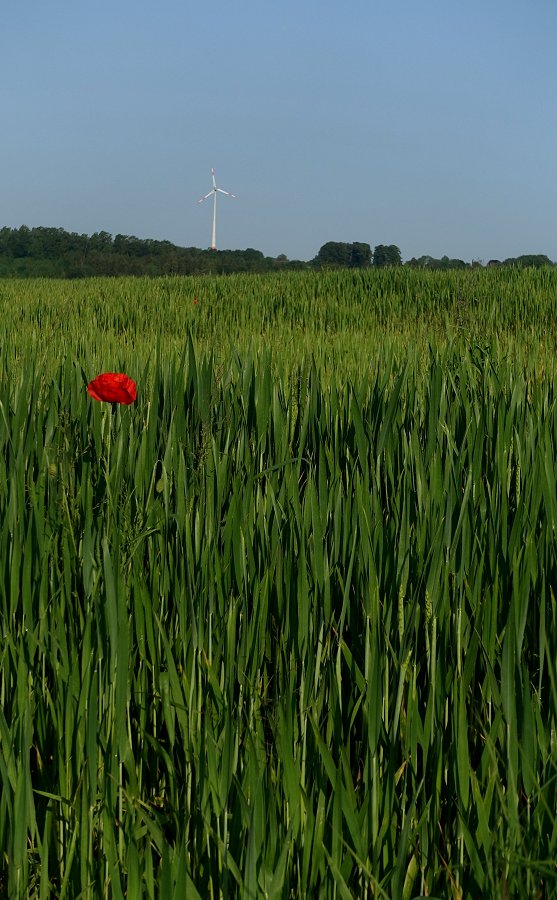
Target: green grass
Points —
{"points": [[344, 321], [286, 627]]}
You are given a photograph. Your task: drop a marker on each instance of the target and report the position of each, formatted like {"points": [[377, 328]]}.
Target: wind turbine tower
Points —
{"points": [[213, 193]]}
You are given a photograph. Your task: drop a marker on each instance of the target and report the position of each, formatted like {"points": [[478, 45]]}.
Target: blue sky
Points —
{"points": [[430, 125]]}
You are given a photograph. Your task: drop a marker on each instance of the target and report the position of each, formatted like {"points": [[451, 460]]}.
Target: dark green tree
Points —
{"points": [[341, 255], [386, 255], [100, 242], [360, 255], [536, 260], [334, 255], [20, 242]]}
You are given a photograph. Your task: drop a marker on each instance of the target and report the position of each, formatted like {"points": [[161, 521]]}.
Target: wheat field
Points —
{"points": [[286, 625]]}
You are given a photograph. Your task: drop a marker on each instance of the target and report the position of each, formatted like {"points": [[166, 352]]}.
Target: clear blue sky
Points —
{"points": [[431, 125]]}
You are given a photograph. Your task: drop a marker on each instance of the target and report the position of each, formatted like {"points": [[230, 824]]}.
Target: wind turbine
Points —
{"points": [[213, 193]]}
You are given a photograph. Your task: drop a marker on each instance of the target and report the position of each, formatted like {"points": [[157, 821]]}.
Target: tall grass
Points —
{"points": [[279, 629], [343, 320]]}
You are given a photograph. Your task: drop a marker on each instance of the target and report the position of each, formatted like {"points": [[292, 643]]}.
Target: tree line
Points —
{"points": [[335, 254], [56, 253]]}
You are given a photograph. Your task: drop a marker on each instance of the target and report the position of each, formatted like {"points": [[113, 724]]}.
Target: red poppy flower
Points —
{"points": [[113, 387]]}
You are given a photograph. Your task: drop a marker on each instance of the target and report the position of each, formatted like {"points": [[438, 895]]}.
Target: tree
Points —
{"points": [[386, 255], [19, 243], [360, 257], [536, 260], [334, 254], [340, 255], [100, 242]]}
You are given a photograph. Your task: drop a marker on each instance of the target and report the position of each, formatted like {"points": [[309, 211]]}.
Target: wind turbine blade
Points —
{"points": [[213, 177], [206, 197], [228, 194]]}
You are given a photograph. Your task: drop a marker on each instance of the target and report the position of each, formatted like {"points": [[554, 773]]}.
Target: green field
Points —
{"points": [[287, 626]]}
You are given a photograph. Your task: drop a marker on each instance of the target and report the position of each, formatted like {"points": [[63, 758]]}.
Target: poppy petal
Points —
{"points": [[113, 387]]}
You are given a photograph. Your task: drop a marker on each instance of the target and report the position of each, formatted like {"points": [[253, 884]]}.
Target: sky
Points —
{"points": [[429, 125]]}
